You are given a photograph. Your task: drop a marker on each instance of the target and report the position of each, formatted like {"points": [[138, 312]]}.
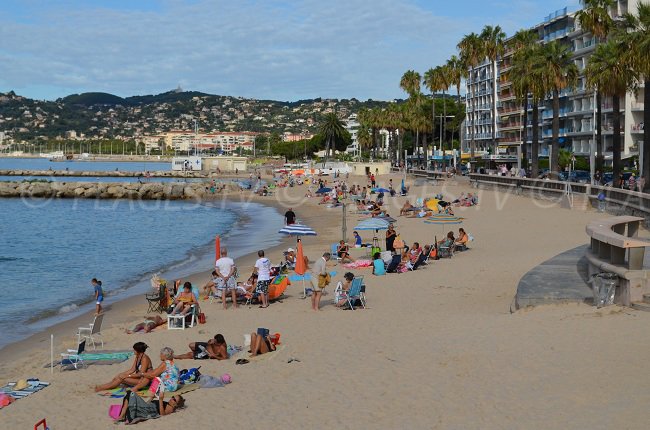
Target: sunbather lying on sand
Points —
{"points": [[149, 323], [141, 364], [214, 348]]}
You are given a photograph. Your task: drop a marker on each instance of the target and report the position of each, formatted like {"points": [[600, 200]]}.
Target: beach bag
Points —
{"points": [[114, 411], [398, 243], [201, 318]]}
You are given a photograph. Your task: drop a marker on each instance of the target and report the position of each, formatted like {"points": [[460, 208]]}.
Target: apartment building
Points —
{"points": [[577, 105]]}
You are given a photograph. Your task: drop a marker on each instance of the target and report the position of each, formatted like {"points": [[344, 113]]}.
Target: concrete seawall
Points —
{"points": [[112, 190]]}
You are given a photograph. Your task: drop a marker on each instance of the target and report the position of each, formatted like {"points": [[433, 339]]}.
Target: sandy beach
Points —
{"points": [[437, 347]]}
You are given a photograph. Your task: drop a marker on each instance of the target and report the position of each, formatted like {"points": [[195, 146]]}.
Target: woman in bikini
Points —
{"points": [[141, 364]]}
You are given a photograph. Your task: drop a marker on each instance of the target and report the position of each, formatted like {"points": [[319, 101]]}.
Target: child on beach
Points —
{"points": [[99, 295]]}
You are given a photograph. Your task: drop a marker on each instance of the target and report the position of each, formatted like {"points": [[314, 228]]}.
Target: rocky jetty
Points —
{"points": [[113, 190]]}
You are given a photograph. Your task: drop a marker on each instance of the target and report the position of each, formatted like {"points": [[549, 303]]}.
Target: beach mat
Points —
{"points": [[118, 393], [19, 394], [99, 358]]}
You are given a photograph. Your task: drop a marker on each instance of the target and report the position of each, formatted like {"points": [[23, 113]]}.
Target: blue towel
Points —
{"points": [[306, 277]]}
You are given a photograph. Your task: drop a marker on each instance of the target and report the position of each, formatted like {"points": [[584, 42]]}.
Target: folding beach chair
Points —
{"points": [[92, 331], [354, 293], [73, 358]]}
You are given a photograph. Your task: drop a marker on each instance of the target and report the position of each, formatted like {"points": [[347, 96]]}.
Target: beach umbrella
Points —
{"points": [[297, 230], [376, 224], [217, 248], [323, 190]]}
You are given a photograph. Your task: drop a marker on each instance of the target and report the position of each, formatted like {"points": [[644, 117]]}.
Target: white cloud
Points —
{"points": [[263, 49]]}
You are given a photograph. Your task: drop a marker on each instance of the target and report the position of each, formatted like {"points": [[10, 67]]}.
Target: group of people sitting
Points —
{"points": [[142, 374]]}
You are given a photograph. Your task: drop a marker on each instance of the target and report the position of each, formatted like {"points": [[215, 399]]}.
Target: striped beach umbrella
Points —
{"points": [[297, 230]]}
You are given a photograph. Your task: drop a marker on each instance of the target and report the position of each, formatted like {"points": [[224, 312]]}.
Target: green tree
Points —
{"points": [[559, 72], [332, 129], [493, 46], [526, 72], [609, 70], [472, 52], [594, 17]]}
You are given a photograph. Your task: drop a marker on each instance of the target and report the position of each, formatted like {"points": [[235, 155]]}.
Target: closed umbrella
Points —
{"points": [[300, 268]]}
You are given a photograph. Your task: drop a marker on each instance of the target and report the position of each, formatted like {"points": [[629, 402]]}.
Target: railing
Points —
{"points": [[633, 201]]}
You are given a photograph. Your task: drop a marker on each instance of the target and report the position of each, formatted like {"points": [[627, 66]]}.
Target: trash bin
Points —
{"points": [[603, 286]]}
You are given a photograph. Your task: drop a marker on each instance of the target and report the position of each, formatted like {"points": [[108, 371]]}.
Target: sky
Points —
{"points": [[264, 49]]}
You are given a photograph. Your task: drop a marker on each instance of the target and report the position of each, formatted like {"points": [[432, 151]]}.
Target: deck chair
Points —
{"points": [[73, 358], [92, 332], [354, 293], [157, 301]]}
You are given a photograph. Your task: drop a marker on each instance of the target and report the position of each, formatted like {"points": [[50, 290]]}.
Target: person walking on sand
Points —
{"points": [[263, 271], [99, 295], [225, 268], [319, 280]]}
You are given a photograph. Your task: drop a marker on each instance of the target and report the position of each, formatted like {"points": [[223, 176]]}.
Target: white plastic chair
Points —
{"points": [[92, 331], [73, 357]]}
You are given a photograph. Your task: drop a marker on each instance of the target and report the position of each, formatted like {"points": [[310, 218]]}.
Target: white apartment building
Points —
{"points": [[504, 113]]}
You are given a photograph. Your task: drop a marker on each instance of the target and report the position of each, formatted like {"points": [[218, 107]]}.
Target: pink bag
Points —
{"points": [[114, 411]]}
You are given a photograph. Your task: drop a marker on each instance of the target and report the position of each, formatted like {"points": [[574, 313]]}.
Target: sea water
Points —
{"points": [[50, 249]]}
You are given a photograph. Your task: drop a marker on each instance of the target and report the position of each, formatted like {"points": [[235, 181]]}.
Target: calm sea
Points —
{"points": [[51, 249]]}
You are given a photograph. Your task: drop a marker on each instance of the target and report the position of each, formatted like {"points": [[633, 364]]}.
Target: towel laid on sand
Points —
{"points": [[120, 392], [18, 390]]}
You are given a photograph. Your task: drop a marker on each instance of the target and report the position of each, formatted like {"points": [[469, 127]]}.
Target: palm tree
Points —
{"points": [[638, 38], [595, 18], [494, 47], [526, 81], [471, 53], [332, 129], [609, 71], [559, 72], [523, 44], [410, 83], [455, 72]]}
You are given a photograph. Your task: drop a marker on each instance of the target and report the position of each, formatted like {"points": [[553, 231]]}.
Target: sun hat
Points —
{"points": [[21, 385]]}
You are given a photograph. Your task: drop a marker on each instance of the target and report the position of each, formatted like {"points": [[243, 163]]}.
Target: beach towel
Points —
{"points": [[358, 264], [23, 388], [306, 277], [120, 392]]}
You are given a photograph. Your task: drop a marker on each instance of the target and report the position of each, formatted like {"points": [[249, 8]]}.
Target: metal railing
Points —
{"points": [[631, 201]]}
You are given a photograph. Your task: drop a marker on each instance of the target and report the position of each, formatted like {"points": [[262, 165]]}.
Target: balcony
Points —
{"points": [[638, 128]]}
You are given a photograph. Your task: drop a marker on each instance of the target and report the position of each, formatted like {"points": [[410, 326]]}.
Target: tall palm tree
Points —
{"points": [[527, 72], [434, 81], [559, 72], [410, 83], [472, 52], [608, 70], [595, 18], [523, 44], [332, 129], [455, 72], [494, 46], [638, 38]]}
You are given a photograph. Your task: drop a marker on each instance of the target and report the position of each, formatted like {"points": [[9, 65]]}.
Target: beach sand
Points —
{"points": [[437, 348]]}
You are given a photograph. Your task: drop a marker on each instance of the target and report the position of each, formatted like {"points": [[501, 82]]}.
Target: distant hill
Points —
{"points": [[90, 99], [168, 97]]}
